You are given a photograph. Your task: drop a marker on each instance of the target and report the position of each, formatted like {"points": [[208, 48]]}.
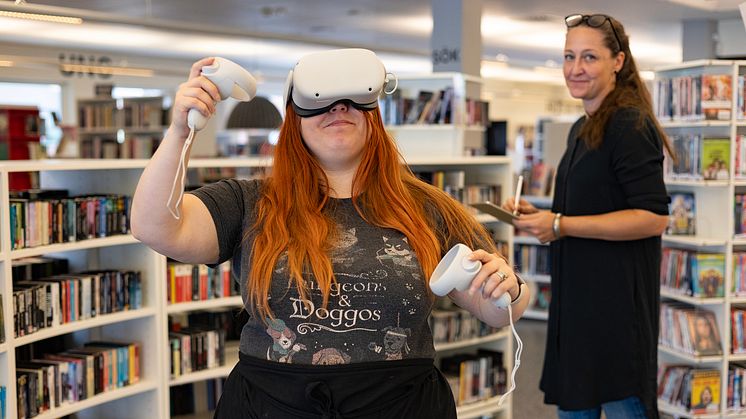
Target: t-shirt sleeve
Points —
{"points": [[637, 161], [230, 203]]}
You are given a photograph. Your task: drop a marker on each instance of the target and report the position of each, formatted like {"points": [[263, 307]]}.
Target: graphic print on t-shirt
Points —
{"points": [[284, 346], [377, 310]]}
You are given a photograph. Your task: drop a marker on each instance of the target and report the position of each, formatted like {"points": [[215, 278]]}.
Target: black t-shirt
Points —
{"points": [[603, 317], [378, 309]]}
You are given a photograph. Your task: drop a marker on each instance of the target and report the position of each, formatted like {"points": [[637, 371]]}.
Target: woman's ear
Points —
{"points": [[619, 62]]}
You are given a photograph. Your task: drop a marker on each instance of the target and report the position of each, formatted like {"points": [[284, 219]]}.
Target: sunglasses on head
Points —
{"points": [[593, 21]]}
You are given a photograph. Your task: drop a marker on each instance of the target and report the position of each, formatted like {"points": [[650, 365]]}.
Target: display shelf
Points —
{"points": [[528, 240], [541, 279], [680, 411], [711, 359], [101, 320], [694, 241], [695, 301], [467, 343], [117, 240], [536, 314], [482, 408], [226, 302], [714, 199], [111, 395]]}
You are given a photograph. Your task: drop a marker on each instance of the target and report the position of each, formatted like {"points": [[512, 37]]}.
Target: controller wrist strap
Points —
{"points": [[180, 177], [517, 360]]}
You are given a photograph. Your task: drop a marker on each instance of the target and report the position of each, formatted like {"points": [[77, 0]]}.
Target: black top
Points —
{"points": [[603, 316]]}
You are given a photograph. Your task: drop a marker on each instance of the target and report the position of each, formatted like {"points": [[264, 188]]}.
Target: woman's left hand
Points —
{"points": [[538, 224], [495, 278]]}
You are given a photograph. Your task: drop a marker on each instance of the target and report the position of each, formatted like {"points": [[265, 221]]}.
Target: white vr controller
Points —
{"points": [[231, 79], [456, 271]]}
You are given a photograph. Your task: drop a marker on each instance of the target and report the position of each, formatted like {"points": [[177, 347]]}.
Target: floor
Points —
{"points": [[528, 400]]}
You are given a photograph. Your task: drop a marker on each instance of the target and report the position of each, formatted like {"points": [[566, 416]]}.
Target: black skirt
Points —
{"points": [[390, 389]]}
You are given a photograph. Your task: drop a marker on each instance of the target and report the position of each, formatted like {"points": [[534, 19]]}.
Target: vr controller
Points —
{"points": [[231, 79], [456, 271]]}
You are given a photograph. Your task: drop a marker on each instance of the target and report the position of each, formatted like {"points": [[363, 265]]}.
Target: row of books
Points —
{"points": [[52, 301], [198, 397], [195, 349], [739, 213], [695, 389], [532, 259], [98, 115], [736, 394], [694, 97], [698, 158], [738, 287], [43, 217], [188, 282], [132, 147], [688, 330], [475, 377], [693, 273], [453, 325], [427, 107], [737, 331], [432, 107], [54, 380], [105, 114], [144, 114], [453, 182]]}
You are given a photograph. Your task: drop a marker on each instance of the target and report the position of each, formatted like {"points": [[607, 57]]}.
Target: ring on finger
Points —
{"points": [[502, 275]]}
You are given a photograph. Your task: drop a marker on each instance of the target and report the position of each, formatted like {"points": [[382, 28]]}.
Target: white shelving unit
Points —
{"points": [[439, 139], [714, 228], [148, 325]]}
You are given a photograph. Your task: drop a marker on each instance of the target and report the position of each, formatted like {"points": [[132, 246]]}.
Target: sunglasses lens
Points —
{"points": [[596, 21], [573, 20]]}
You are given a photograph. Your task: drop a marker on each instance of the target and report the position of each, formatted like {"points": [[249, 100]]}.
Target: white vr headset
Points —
{"points": [[319, 80]]}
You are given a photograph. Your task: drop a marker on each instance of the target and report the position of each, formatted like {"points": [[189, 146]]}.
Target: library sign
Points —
{"points": [[101, 67]]}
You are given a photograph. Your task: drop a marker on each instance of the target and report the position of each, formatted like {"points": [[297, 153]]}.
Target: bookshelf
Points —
{"points": [[695, 102], [437, 115], [120, 128], [148, 325]]}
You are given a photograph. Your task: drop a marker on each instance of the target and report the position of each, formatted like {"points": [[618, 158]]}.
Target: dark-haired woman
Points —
{"points": [[610, 207]]}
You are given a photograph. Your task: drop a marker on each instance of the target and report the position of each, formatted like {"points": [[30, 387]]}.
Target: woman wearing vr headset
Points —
{"points": [[332, 251], [610, 208]]}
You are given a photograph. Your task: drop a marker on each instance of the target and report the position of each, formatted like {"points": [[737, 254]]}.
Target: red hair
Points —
{"points": [[290, 212]]}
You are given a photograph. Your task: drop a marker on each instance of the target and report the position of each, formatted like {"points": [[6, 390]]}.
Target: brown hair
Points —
{"points": [[629, 92], [291, 216]]}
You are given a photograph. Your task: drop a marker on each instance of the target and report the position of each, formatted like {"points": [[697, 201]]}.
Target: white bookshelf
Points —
{"points": [[714, 226], [148, 325], [433, 140]]}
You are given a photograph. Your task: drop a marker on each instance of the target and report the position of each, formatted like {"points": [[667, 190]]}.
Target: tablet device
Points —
{"points": [[495, 211]]}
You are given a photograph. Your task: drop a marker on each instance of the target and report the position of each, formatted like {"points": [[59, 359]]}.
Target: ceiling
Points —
{"points": [[259, 32]]}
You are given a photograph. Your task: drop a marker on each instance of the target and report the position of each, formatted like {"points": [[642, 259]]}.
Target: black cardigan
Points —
{"points": [[603, 316]]}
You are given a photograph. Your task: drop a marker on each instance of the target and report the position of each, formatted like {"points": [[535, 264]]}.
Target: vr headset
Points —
{"points": [[322, 79]]}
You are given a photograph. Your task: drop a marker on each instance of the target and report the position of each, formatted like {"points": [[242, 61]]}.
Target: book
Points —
{"points": [[705, 391], [709, 275], [703, 333], [682, 214], [716, 96], [715, 158]]}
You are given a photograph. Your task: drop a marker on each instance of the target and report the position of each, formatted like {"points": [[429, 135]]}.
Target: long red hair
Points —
{"points": [[291, 217]]}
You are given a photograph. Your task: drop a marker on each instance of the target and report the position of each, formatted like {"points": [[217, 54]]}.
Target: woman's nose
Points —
{"points": [[341, 106]]}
